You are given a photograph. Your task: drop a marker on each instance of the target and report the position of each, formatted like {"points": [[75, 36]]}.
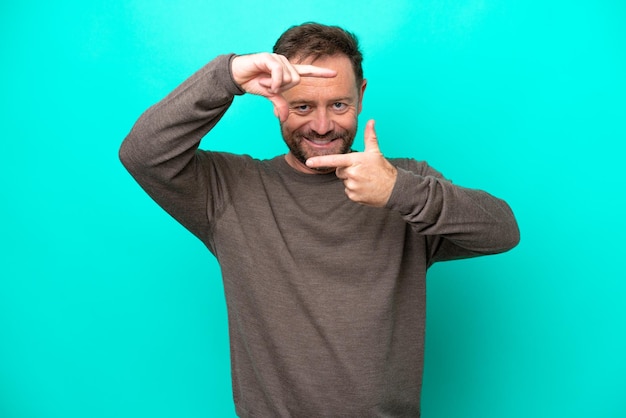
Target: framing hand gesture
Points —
{"points": [[268, 75], [368, 176]]}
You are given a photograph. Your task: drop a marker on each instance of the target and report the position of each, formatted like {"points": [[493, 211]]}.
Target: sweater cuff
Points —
{"points": [[235, 89], [409, 192]]}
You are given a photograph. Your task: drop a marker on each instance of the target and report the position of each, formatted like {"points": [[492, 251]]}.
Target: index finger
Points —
{"points": [[328, 161], [306, 70]]}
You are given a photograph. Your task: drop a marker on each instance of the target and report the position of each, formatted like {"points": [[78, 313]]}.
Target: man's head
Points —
{"points": [[323, 112]]}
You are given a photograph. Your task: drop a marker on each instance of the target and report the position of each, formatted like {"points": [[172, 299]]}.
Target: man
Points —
{"points": [[323, 251]]}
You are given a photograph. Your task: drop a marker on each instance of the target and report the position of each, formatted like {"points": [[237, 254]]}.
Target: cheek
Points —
{"points": [[348, 120], [295, 122], [291, 125]]}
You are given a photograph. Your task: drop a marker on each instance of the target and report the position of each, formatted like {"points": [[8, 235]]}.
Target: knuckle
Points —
{"points": [[351, 185]]}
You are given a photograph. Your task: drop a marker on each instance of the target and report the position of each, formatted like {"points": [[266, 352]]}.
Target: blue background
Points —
{"points": [[108, 308]]}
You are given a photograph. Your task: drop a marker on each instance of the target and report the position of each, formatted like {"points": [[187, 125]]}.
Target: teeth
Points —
{"points": [[320, 141]]}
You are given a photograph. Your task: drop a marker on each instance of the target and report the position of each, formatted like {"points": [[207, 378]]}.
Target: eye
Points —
{"points": [[339, 107], [302, 109]]}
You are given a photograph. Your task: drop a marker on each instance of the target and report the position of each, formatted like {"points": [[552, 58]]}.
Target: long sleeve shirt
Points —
{"points": [[326, 298]]}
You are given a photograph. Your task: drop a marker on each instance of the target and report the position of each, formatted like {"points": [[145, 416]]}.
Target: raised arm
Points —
{"points": [[161, 150], [170, 131], [462, 222], [160, 147]]}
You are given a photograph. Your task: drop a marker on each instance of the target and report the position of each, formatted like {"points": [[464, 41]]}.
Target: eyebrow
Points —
{"points": [[297, 102]]}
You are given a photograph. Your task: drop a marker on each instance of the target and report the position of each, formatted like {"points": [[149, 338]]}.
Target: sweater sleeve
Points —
{"points": [[161, 150], [459, 222]]}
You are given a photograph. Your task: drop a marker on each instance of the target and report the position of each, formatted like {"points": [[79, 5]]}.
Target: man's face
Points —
{"points": [[323, 113]]}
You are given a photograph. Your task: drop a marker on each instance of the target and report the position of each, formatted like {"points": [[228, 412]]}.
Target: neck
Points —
{"points": [[298, 165]]}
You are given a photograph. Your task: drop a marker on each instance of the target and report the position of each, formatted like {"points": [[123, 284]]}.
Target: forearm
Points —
{"points": [[163, 141], [470, 221]]}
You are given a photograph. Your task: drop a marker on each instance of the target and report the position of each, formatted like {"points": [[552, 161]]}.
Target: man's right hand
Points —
{"points": [[269, 75]]}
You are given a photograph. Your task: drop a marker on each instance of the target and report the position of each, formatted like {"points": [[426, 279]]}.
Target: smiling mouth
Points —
{"points": [[320, 141]]}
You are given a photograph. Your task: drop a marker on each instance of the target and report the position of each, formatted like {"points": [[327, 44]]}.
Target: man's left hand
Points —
{"points": [[368, 176]]}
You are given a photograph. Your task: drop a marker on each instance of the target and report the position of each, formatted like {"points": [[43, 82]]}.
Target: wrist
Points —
{"points": [[233, 77]]}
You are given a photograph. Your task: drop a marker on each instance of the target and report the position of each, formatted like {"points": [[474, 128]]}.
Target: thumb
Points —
{"points": [[371, 141]]}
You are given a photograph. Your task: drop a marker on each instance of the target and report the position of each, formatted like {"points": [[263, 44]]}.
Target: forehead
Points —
{"points": [[343, 84]]}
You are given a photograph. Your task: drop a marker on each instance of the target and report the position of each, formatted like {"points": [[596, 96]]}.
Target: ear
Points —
{"points": [[361, 92]]}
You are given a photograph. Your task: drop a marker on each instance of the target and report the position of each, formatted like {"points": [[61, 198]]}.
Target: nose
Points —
{"points": [[321, 123]]}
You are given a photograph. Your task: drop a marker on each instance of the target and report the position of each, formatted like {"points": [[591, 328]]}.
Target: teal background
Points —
{"points": [[108, 308]]}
